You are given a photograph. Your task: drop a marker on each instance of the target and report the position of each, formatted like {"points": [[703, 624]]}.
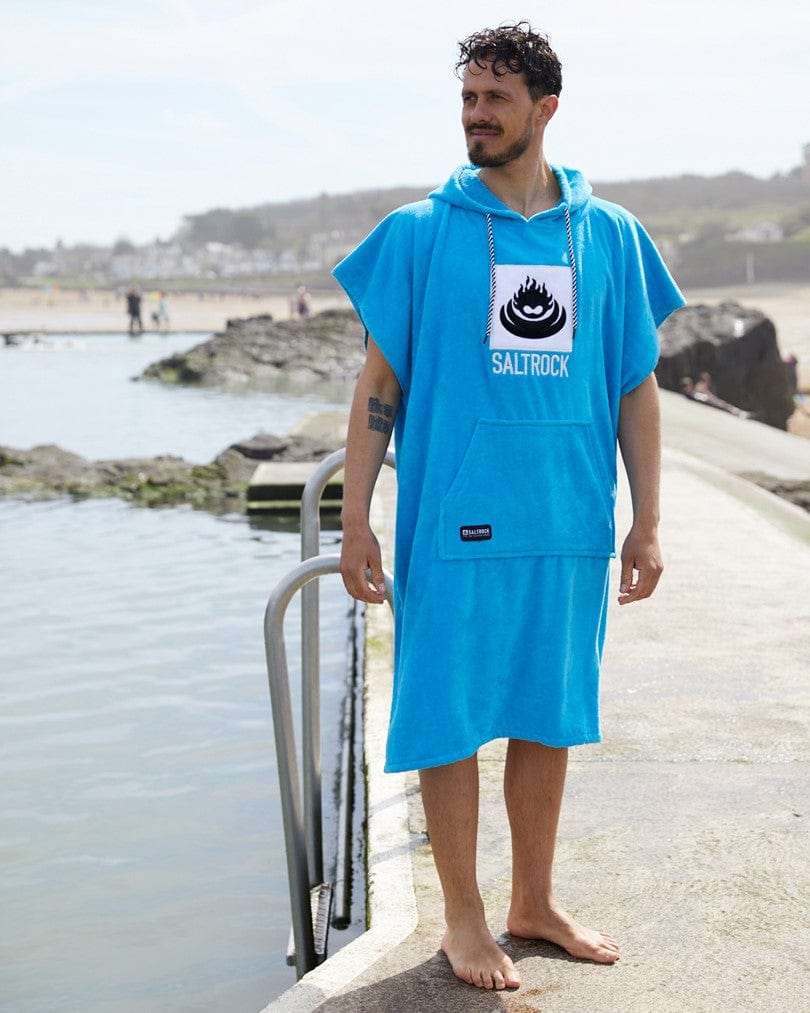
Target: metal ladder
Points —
{"points": [[310, 896]]}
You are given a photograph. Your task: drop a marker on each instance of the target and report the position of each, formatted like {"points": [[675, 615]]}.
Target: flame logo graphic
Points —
{"points": [[533, 312]]}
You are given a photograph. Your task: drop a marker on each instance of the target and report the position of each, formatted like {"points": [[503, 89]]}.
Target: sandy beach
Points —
{"points": [[64, 311]]}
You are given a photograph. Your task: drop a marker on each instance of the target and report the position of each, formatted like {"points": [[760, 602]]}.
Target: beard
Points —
{"points": [[476, 150]]}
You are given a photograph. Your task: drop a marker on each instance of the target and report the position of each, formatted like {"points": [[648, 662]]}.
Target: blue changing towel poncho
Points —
{"points": [[513, 341]]}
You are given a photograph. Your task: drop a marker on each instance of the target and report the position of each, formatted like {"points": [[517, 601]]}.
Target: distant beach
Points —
{"points": [[60, 311]]}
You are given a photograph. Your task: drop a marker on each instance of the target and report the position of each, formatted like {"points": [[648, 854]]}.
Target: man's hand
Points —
{"points": [[641, 566], [360, 553]]}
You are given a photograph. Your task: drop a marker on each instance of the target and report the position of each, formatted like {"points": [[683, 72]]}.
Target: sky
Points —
{"points": [[118, 118]]}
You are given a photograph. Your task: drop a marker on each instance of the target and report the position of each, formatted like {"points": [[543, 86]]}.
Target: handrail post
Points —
{"points": [[310, 660], [311, 665]]}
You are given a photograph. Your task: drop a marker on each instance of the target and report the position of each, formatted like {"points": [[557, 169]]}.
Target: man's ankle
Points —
{"points": [[464, 912]]}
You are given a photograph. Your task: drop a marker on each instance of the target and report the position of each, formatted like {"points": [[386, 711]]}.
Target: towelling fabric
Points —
{"points": [[513, 341]]}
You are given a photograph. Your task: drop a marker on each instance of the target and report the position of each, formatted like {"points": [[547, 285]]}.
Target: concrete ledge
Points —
{"points": [[733, 444], [277, 486], [790, 518], [323, 426]]}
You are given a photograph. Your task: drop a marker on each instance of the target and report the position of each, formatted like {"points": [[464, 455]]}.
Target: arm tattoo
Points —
{"points": [[380, 416]]}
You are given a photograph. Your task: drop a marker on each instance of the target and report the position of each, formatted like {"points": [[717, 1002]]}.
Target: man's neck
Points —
{"points": [[525, 189]]}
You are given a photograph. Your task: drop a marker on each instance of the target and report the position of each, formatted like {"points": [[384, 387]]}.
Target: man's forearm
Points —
{"points": [[640, 443], [371, 422]]}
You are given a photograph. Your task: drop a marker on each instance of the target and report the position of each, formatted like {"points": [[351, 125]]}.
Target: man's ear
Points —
{"points": [[546, 107]]}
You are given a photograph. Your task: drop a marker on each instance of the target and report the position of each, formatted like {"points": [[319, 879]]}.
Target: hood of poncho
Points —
{"points": [[465, 190]]}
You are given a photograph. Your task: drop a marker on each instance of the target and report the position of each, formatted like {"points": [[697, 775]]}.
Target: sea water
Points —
{"points": [[142, 858], [78, 391]]}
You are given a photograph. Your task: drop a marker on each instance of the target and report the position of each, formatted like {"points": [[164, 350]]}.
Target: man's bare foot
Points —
{"points": [[477, 959], [556, 926]]}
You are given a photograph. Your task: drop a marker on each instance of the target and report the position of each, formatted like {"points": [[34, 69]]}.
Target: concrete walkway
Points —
{"points": [[685, 832]]}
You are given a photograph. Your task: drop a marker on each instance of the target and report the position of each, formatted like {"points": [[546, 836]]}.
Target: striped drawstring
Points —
{"points": [[573, 264], [491, 310]]}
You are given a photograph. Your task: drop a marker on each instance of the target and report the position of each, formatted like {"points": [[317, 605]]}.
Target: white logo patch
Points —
{"points": [[532, 308]]}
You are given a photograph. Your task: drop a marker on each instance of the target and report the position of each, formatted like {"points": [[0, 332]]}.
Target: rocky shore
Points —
{"points": [[261, 353], [737, 346], [256, 353], [733, 345], [48, 471]]}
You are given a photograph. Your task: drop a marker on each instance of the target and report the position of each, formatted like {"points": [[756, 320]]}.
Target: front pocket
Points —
{"points": [[528, 489]]}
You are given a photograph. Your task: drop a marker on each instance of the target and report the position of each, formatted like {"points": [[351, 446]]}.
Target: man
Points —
{"points": [[134, 311], [511, 323]]}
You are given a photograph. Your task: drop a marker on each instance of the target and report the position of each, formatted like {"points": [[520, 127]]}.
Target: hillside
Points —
{"points": [[717, 230], [713, 230], [664, 205]]}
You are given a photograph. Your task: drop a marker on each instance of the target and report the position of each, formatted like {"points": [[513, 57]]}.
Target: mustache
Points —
{"points": [[483, 126]]}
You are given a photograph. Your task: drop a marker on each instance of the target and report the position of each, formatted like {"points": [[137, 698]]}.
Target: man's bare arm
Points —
{"points": [[371, 422], [640, 443]]}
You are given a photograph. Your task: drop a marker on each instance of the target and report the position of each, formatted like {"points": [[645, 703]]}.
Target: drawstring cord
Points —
{"points": [[491, 310], [573, 263], [571, 260]]}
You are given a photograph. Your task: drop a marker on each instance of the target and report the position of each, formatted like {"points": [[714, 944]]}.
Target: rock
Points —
{"points": [[44, 467], [260, 353], [48, 471], [737, 347], [795, 491]]}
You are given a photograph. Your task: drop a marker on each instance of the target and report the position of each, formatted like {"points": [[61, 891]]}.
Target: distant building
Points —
{"points": [[44, 269], [765, 232], [806, 165]]}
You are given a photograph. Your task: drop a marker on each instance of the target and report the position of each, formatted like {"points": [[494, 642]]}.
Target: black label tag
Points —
{"points": [[476, 532]]}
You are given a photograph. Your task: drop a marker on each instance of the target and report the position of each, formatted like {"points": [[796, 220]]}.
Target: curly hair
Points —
{"points": [[514, 49]]}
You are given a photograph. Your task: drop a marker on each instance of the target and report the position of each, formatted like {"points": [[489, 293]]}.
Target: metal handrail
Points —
{"points": [[310, 660], [303, 823], [298, 871]]}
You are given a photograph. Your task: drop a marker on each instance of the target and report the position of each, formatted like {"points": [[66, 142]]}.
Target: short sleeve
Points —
{"points": [[650, 295], [378, 279]]}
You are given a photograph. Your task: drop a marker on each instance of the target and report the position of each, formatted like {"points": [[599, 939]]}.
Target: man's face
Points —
{"points": [[498, 116]]}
